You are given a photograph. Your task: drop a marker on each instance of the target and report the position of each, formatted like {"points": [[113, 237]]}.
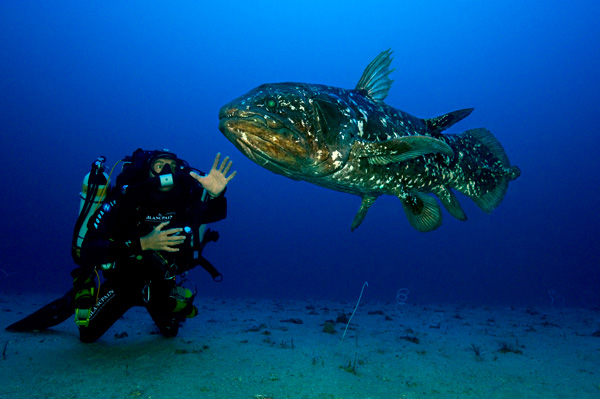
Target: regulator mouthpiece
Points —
{"points": [[166, 176]]}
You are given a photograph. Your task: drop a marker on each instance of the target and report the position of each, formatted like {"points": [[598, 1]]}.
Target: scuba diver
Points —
{"points": [[143, 238]]}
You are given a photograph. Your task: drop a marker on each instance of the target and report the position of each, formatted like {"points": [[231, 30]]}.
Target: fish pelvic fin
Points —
{"points": [[439, 124], [422, 211], [375, 81], [362, 212], [399, 149], [489, 184]]}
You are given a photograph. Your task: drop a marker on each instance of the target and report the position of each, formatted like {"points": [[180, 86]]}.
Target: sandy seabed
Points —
{"points": [[260, 349]]}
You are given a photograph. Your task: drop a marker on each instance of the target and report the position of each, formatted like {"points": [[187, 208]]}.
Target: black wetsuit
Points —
{"points": [[137, 277]]}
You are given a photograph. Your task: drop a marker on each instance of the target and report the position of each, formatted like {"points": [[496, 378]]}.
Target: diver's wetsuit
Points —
{"points": [[137, 279]]}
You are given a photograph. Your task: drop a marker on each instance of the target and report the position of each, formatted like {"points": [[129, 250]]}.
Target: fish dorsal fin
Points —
{"points": [[441, 123], [399, 149], [375, 79]]}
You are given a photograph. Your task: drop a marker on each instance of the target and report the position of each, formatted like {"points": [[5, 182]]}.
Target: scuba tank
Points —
{"points": [[92, 195]]}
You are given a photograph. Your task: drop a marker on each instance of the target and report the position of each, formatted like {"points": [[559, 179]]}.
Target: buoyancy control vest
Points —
{"points": [[133, 177]]}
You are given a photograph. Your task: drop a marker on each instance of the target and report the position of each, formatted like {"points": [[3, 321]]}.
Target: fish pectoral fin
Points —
{"points": [[362, 211], [399, 149], [422, 211]]}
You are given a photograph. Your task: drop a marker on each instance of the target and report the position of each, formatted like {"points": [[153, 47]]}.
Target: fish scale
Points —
{"points": [[349, 140]]}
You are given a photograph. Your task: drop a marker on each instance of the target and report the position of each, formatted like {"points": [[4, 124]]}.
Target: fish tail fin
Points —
{"points": [[513, 172], [422, 211], [488, 181]]}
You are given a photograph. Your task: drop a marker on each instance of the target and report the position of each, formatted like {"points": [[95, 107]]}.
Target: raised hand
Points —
{"points": [[216, 181]]}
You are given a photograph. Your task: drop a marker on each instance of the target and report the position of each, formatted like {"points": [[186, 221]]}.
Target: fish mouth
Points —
{"points": [[262, 138]]}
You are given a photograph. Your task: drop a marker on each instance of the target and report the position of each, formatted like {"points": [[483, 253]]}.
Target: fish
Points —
{"points": [[350, 140]]}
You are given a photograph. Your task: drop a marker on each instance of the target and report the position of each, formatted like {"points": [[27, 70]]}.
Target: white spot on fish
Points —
{"points": [[335, 155], [364, 114]]}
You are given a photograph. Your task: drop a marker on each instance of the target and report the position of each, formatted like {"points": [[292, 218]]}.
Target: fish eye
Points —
{"points": [[271, 103]]}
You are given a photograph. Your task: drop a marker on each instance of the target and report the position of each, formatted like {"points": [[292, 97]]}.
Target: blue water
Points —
{"points": [[83, 79]]}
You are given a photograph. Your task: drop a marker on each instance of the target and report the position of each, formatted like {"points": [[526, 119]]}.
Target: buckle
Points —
{"points": [[82, 317]]}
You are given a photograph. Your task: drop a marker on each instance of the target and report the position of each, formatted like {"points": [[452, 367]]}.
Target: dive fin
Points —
{"points": [[400, 149], [439, 124], [48, 316], [375, 79], [450, 202], [422, 211], [362, 212]]}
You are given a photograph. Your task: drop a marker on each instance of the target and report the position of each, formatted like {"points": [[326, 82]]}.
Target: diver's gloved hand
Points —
{"points": [[216, 181]]}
